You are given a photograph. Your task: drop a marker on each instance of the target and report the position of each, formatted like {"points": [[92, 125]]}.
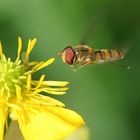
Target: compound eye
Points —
{"points": [[69, 55]]}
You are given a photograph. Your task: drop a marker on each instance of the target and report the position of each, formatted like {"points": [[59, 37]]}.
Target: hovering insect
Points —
{"points": [[82, 55]]}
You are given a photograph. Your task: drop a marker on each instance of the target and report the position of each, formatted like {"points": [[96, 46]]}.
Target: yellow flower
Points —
{"points": [[40, 117]]}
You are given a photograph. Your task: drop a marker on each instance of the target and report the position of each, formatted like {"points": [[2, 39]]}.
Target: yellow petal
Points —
{"points": [[18, 92], [40, 81], [51, 123], [55, 83], [3, 117], [46, 100], [33, 63], [31, 44], [50, 90], [51, 83], [56, 91], [19, 46], [0, 48], [81, 133], [44, 64], [29, 78]]}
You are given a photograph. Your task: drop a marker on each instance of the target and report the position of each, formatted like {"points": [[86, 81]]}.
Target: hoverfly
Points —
{"points": [[82, 55]]}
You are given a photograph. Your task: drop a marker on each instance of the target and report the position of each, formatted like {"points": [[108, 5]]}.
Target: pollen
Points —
{"points": [[11, 74]]}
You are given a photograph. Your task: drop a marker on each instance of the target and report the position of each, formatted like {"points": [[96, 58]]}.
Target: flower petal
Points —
{"points": [[40, 81], [31, 44], [80, 134], [60, 91], [19, 46], [52, 83], [29, 79], [50, 123], [3, 117], [1, 49], [56, 91], [45, 100], [43, 64], [18, 92]]}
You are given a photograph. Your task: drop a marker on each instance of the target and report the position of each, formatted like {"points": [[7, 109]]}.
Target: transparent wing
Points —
{"points": [[96, 19]]}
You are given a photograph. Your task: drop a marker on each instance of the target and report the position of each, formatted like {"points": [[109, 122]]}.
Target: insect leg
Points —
{"points": [[85, 64]]}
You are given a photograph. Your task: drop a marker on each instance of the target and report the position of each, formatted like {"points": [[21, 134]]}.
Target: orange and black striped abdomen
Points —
{"points": [[107, 55]]}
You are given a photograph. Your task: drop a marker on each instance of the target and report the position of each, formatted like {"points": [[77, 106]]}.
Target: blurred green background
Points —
{"points": [[107, 96]]}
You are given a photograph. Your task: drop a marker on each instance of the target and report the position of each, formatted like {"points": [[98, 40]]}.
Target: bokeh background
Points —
{"points": [[107, 96]]}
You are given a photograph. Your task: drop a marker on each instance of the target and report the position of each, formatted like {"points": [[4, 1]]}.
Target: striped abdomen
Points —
{"points": [[105, 55]]}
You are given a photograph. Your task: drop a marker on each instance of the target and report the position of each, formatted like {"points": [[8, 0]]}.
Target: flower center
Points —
{"points": [[11, 74]]}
